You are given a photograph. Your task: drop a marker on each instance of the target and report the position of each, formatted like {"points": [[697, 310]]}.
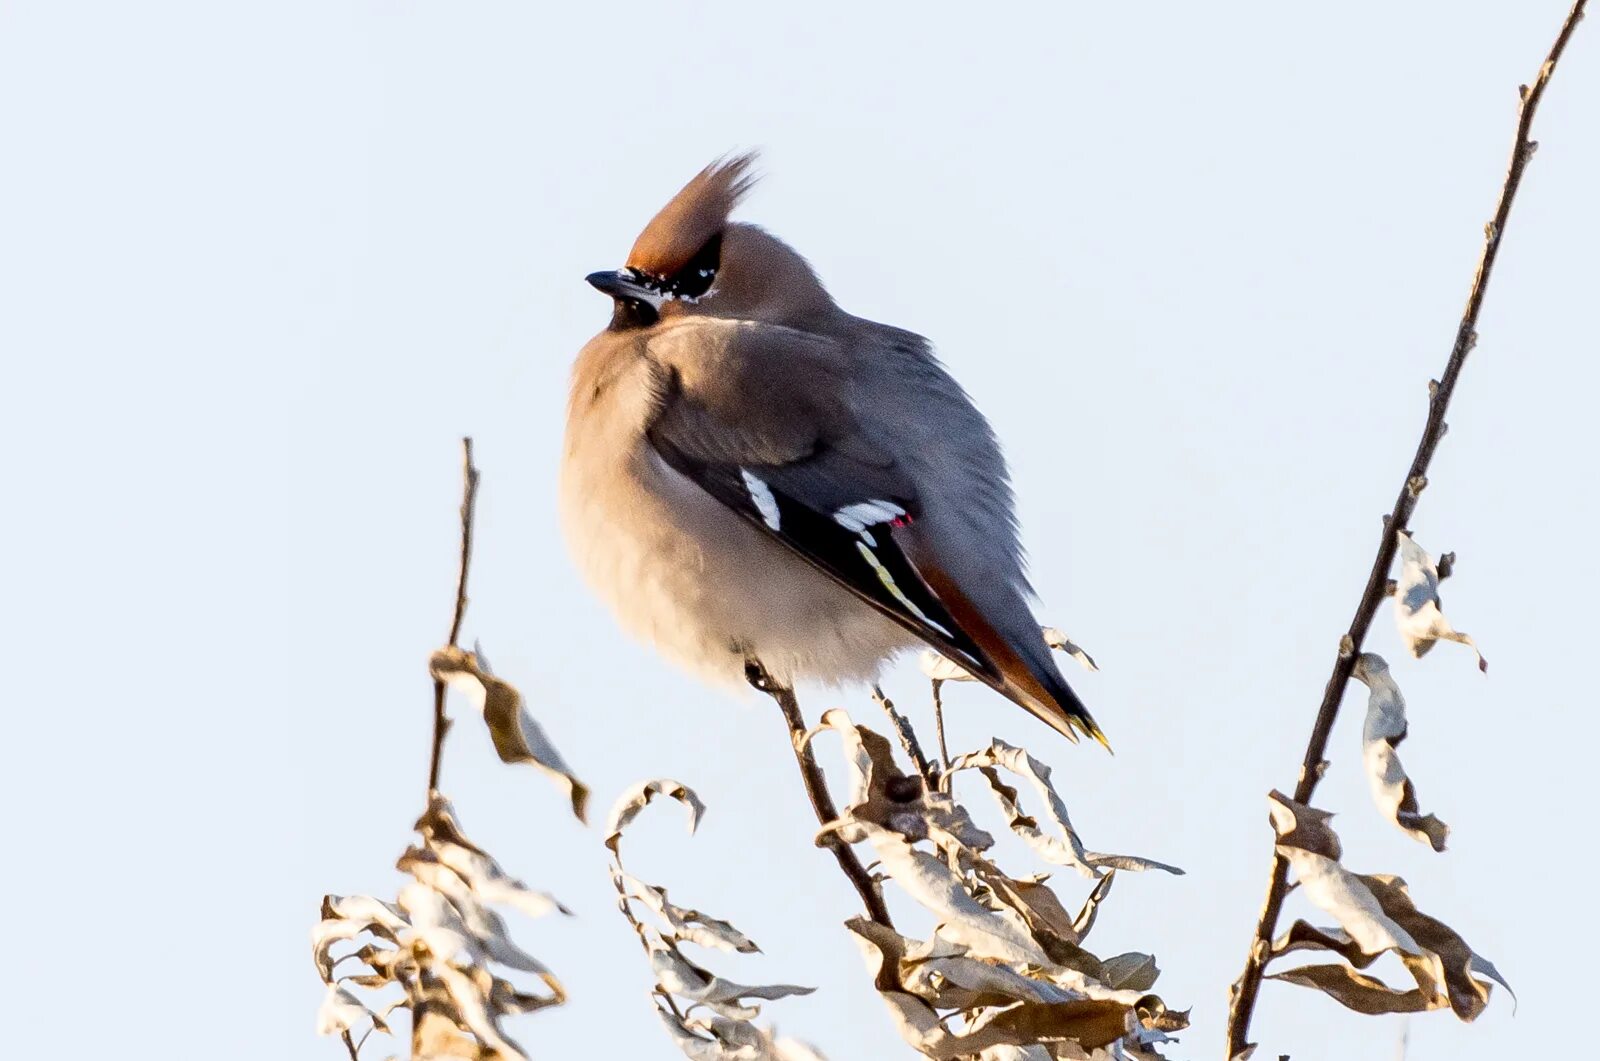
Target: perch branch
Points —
{"points": [[817, 788], [1248, 986], [441, 722]]}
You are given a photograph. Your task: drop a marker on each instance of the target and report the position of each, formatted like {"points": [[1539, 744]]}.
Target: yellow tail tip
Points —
{"points": [[1093, 730]]}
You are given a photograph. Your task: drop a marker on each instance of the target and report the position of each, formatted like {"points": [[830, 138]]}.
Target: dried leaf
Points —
{"points": [[1417, 610], [340, 1011], [941, 668], [1467, 996], [443, 938], [720, 1039], [686, 924], [435, 1034], [1064, 850], [795, 1050], [907, 975], [1089, 1022], [445, 844], [882, 794], [345, 918], [470, 994], [716, 1039], [957, 981], [482, 924], [679, 976], [1091, 906], [1376, 914], [1385, 728], [1364, 994], [1048, 922], [492, 884], [1131, 972], [1303, 935], [1330, 886], [436, 926], [1062, 643], [996, 934], [637, 798], [917, 1022], [869, 760], [725, 1034], [517, 737]]}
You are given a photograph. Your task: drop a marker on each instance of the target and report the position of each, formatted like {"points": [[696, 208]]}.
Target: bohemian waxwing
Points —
{"points": [[754, 476]]}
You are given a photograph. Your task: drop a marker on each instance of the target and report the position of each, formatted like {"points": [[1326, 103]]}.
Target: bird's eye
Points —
{"points": [[696, 277]]}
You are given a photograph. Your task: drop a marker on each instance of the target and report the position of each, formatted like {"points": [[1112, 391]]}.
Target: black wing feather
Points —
{"points": [[857, 561]]}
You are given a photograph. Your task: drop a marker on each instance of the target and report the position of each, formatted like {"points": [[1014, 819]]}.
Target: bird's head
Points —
{"points": [[690, 260]]}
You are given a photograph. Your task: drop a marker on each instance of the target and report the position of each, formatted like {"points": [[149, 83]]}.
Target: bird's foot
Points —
{"points": [[757, 676]]}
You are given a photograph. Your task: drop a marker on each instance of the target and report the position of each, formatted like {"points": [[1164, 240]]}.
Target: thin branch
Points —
{"points": [[907, 735], [441, 722], [817, 789], [1248, 986], [938, 729]]}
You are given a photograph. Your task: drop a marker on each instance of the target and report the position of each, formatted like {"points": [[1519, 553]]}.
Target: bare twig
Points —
{"points": [[817, 789], [907, 735], [938, 729], [441, 722], [1248, 986]]}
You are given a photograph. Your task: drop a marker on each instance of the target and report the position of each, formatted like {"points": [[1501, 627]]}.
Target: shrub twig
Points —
{"points": [[441, 721], [817, 789], [1248, 986]]}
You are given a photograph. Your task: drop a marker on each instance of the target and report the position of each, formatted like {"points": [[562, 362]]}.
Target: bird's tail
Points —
{"points": [[1062, 710], [1021, 666], [1023, 670]]}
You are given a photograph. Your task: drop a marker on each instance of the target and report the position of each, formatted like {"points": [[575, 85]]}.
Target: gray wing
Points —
{"points": [[759, 422], [761, 418]]}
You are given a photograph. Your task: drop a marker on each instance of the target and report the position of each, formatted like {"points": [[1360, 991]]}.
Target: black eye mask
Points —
{"points": [[693, 280]]}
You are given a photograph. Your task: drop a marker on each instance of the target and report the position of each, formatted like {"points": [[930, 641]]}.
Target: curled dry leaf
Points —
{"points": [[517, 737], [446, 844], [687, 925], [1004, 970], [637, 798], [881, 794], [439, 943], [1000, 1006], [344, 917], [1001, 934], [677, 975], [726, 1034], [715, 1038], [1417, 610], [340, 1011], [1382, 733], [1065, 849], [1062, 643], [1375, 915], [941, 668]]}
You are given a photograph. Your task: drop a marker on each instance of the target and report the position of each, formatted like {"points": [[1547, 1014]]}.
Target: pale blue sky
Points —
{"points": [[261, 265]]}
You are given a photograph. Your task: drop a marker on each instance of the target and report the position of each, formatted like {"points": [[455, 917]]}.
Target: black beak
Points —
{"points": [[618, 283]]}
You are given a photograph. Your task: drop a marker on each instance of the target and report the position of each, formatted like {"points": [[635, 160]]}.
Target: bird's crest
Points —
{"points": [[693, 217]]}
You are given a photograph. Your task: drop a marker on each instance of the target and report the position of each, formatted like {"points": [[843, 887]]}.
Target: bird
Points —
{"points": [[752, 477]]}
